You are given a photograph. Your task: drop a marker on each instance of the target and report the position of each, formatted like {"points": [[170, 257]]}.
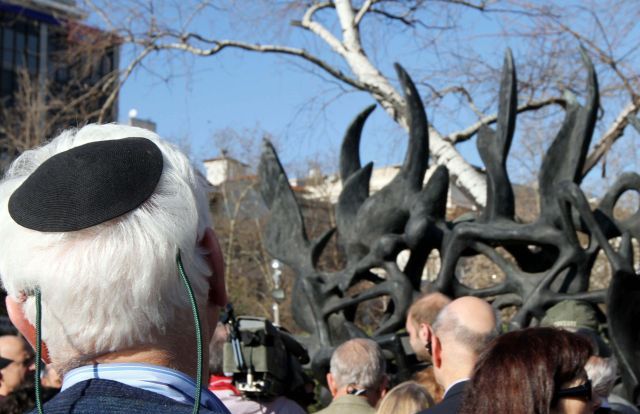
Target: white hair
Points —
{"points": [[358, 362], [603, 374], [114, 285]]}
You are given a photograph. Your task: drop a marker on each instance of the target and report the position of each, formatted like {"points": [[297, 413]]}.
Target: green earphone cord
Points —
{"points": [[38, 350], [196, 319]]}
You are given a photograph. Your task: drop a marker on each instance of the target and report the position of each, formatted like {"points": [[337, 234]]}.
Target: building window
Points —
{"points": [[20, 42], [6, 82], [106, 65], [20, 52], [7, 48], [32, 53]]}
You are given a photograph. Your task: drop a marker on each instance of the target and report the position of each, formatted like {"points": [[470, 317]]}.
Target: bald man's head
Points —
{"points": [[460, 333], [467, 321]]}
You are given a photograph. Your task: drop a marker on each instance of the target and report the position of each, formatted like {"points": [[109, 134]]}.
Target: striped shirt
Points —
{"points": [[161, 380]]}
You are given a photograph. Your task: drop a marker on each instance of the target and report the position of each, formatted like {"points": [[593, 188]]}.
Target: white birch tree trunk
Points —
{"points": [[463, 175]]}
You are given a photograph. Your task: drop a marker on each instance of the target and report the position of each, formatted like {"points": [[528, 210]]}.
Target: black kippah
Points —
{"points": [[88, 185]]}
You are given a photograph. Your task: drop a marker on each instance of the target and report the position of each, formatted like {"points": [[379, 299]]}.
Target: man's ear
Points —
{"points": [[384, 386], [424, 332], [436, 350], [22, 324], [217, 286], [331, 383]]}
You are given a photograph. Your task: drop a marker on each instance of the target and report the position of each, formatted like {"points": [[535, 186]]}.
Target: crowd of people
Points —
{"points": [[107, 238]]}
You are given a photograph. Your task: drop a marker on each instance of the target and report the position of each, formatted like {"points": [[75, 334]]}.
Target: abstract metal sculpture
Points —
{"points": [[550, 263]]}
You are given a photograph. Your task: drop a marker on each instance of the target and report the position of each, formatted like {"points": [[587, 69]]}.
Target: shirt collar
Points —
{"points": [[161, 380], [351, 399], [454, 384]]}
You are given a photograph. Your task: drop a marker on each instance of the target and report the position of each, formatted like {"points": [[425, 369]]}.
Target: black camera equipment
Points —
{"points": [[265, 360]]}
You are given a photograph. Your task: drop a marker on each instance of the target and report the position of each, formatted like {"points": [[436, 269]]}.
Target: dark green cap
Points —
{"points": [[579, 317]]}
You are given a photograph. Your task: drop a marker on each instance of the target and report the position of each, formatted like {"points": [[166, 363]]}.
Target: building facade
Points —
{"points": [[63, 57], [47, 52]]}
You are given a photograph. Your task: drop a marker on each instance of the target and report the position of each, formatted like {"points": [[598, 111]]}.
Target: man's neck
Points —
{"points": [[456, 363], [340, 393], [454, 383], [369, 396], [149, 355], [447, 378]]}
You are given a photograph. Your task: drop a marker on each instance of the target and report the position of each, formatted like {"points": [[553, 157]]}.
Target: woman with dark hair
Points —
{"points": [[534, 370]]}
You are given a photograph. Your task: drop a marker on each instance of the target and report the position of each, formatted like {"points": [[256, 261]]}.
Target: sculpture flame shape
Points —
{"points": [[405, 214]]}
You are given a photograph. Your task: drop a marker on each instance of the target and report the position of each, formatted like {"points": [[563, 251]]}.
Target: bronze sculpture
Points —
{"points": [[550, 263]]}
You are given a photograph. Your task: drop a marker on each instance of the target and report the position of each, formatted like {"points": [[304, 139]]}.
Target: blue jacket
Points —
{"points": [[106, 396]]}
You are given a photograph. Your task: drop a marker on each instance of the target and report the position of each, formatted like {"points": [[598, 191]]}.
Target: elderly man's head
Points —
{"points": [[16, 360], [358, 368], [461, 331], [112, 286]]}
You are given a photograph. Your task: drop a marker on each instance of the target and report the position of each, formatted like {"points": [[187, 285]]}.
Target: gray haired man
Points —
{"points": [[357, 378], [107, 228]]}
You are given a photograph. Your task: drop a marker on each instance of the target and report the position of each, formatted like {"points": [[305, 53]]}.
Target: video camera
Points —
{"points": [[265, 360]]}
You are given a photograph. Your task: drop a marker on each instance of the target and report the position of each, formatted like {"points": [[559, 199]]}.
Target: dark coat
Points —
{"points": [[105, 396], [451, 402]]}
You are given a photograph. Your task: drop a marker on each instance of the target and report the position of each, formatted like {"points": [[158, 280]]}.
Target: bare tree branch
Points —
{"points": [[318, 29], [123, 78], [615, 131], [285, 50], [350, 32], [543, 77], [482, 5], [366, 6], [602, 55], [308, 15], [464, 92], [403, 19], [463, 135]]}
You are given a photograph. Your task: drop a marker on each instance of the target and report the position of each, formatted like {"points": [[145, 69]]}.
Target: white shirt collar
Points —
{"points": [[454, 383], [161, 380]]}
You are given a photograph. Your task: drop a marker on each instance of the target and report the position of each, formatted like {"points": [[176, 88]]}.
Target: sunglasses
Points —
{"points": [[5, 362], [580, 391]]}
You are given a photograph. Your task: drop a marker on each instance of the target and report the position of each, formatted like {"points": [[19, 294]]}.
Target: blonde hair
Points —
{"points": [[408, 397]]}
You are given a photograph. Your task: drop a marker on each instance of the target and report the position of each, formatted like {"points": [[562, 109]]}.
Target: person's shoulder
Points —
{"points": [[451, 402], [238, 404], [436, 409], [106, 396], [326, 410], [350, 404], [441, 408], [283, 405]]}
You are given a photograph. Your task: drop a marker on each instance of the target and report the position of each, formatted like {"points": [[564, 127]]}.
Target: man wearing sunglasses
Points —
{"points": [[16, 362]]}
